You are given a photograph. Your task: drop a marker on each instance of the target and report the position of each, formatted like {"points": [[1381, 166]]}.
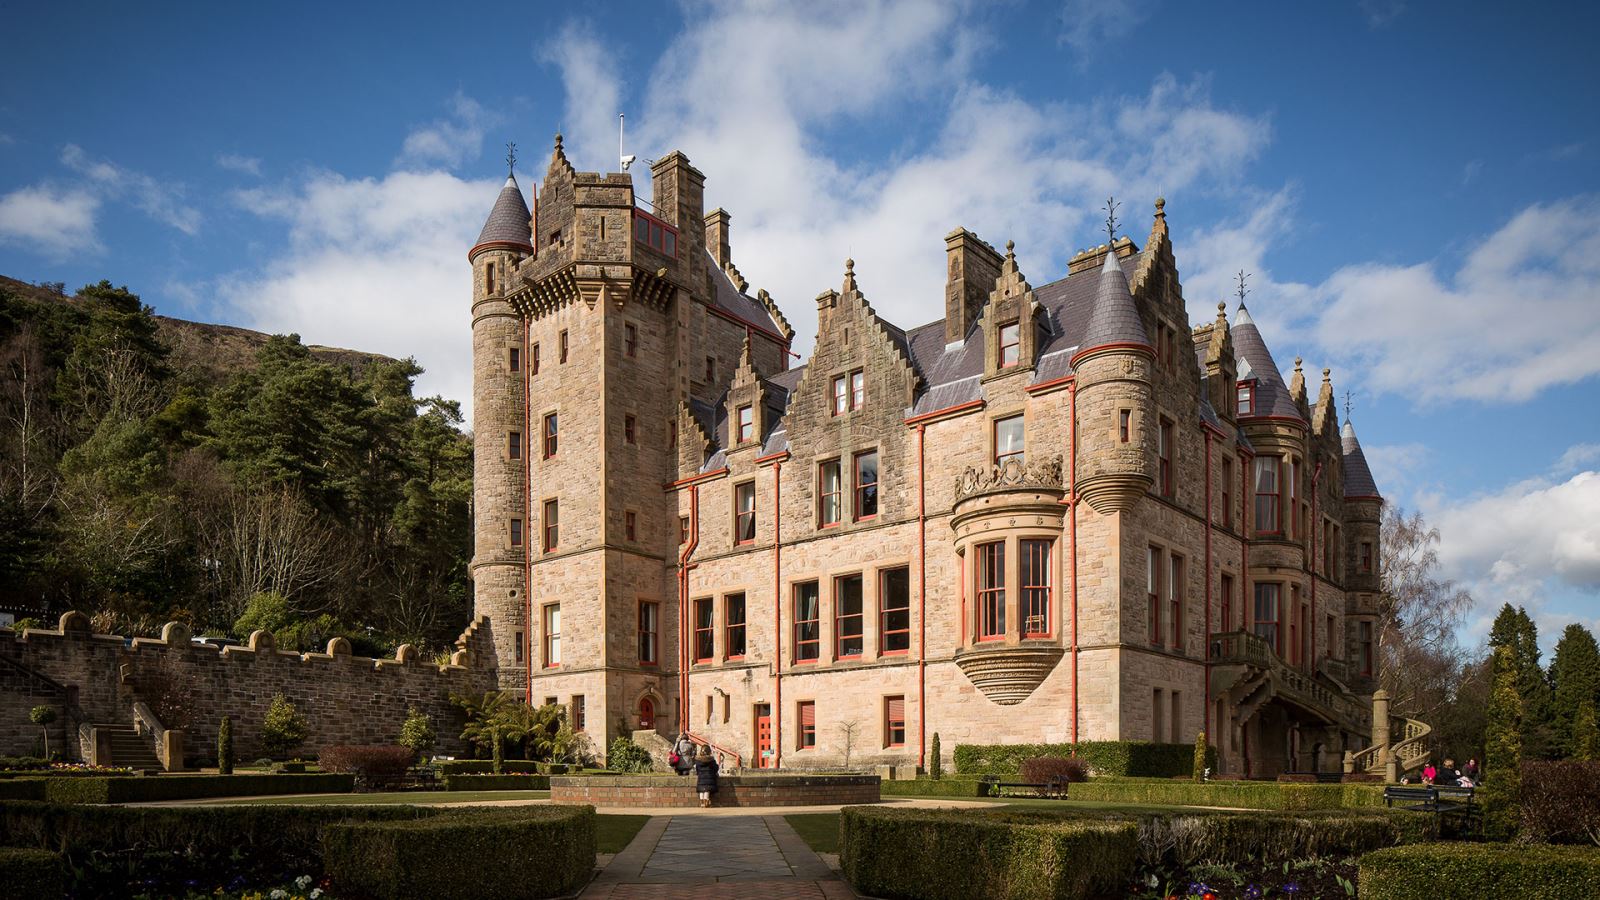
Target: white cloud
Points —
{"points": [[1379, 13], [1576, 457], [448, 142], [50, 220], [1393, 465], [160, 200], [374, 264], [234, 162], [1086, 24], [593, 97]]}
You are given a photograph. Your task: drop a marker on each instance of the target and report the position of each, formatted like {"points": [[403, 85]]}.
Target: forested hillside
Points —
{"points": [[153, 469]]}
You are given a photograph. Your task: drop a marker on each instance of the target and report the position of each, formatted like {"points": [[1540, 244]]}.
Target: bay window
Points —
{"points": [[1269, 599], [1267, 495], [992, 591], [1036, 586]]}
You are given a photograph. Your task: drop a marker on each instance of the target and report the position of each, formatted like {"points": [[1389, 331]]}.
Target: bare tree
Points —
{"points": [[26, 471], [1418, 614], [848, 731], [265, 541], [111, 537]]}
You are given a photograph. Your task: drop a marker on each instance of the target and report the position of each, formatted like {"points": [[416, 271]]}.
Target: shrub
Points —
{"points": [[1232, 794], [22, 789], [225, 746], [444, 857], [1121, 758], [284, 728], [497, 782], [124, 789], [1201, 763], [949, 854], [1560, 802], [367, 762], [1502, 758], [935, 760], [416, 733], [24, 763], [485, 767], [42, 716], [1041, 769], [31, 873], [1470, 871], [927, 787], [626, 756]]}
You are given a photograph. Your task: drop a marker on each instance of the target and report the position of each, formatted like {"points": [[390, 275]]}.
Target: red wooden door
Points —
{"points": [[647, 714], [766, 757]]}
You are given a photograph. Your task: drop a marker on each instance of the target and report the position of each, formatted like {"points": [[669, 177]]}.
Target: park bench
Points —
{"points": [[417, 780], [1055, 786], [1440, 799]]}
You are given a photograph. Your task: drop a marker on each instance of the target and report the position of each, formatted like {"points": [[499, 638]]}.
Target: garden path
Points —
{"points": [[717, 858]]}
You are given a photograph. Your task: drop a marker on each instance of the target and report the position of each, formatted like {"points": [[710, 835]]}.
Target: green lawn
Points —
{"points": [[415, 798], [820, 831], [612, 833]]}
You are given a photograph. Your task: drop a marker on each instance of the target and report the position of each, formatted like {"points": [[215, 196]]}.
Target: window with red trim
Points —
{"points": [[747, 424], [552, 635], [1247, 398], [866, 488], [733, 626], [744, 507], [580, 716], [552, 430], [807, 622], [1267, 495], [1153, 574], [649, 632], [1164, 450], [841, 396], [655, 234], [830, 493], [1124, 425], [1008, 439], [806, 734], [552, 525], [1295, 512], [488, 272], [894, 611], [683, 529], [1010, 345], [630, 340], [991, 591], [1268, 609], [1036, 581], [858, 389], [1226, 590], [894, 721], [848, 627], [1175, 599], [1366, 557], [705, 631]]}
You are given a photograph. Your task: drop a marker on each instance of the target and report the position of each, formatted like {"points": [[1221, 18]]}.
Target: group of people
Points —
{"points": [[1448, 775], [687, 756]]}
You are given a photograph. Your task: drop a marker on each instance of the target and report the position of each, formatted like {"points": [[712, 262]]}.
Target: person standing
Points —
{"points": [[682, 759], [705, 775]]}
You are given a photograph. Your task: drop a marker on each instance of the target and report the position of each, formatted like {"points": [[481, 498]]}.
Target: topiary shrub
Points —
{"points": [[1472, 871], [225, 746], [1201, 762], [448, 857], [283, 729], [43, 716], [1043, 769], [31, 873], [125, 789], [935, 759], [381, 761], [927, 787], [626, 756], [416, 733], [1560, 802]]}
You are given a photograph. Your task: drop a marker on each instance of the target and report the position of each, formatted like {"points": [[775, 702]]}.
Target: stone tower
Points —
{"points": [[500, 435], [1114, 394]]}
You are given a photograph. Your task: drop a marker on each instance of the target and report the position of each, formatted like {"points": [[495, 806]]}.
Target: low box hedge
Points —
{"points": [[1471, 871], [1140, 758], [131, 789], [927, 787], [31, 873], [460, 856], [497, 782], [486, 767], [956, 855], [1270, 795], [22, 789]]}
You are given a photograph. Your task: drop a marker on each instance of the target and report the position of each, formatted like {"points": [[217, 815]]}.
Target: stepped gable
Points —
{"points": [[507, 225], [1272, 397], [1358, 481], [760, 312]]}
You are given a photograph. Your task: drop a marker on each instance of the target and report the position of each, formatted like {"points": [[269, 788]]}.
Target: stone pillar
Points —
{"points": [[1380, 735]]}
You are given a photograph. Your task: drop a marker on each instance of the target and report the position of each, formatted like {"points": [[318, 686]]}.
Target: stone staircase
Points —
{"points": [[658, 746], [129, 749], [1246, 669]]}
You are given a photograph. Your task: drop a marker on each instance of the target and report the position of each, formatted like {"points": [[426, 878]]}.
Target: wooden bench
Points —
{"points": [[1055, 786], [1439, 799], [417, 780]]}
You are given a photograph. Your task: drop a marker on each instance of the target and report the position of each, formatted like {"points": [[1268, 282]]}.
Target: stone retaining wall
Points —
{"points": [[732, 790]]}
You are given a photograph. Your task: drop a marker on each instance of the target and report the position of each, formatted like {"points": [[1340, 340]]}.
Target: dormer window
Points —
{"points": [[747, 424], [1010, 344], [1247, 398]]}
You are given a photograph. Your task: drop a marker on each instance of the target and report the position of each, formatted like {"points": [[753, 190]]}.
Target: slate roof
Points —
{"points": [[1255, 361], [1357, 477], [508, 221], [727, 297], [1115, 318]]}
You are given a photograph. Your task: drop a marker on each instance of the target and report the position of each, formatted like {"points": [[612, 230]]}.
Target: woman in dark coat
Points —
{"points": [[705, 775]]}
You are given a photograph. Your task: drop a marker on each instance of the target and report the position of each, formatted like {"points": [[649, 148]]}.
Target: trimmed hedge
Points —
{"points": [[452, 856], [22, 789], [944, 787], [123, 789], [955, 855], [1470, 871], [31, 873], [486, 767], [1138, 758], [497, 782], [1231, 794]]}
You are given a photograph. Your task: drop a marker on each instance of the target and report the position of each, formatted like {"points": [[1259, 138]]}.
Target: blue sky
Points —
{"points": [[1414, 187]]}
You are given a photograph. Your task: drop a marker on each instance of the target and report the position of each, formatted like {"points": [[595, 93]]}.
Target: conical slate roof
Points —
{"points": [[1357, 477], [1255, 361], [508, 221], [1115, 319]]}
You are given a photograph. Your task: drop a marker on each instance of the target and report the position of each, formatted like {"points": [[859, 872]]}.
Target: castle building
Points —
{"points": [[1054, 514]]}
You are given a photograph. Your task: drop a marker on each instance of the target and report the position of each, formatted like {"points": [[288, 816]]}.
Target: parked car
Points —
{"points": [[218, 642]]}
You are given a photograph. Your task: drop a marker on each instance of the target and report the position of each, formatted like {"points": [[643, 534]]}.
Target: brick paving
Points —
{"points": [[717, 858]]}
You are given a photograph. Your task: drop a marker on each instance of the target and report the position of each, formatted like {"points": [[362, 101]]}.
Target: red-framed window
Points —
{"points": [[515, 359], [1226, 590], [865, 465], [552, 525], [1364, 631], [894, 611], [1164, 449], [733, 626], [1268, 495], [515, 526], [655, 234], [1175, 599], [533, 361], [1247, 398], [1268, 612], [1227, 492], [858, 389], [562, 346], [630, 430], [580, 715], [849, 627], [630, 525], [1124, 425], [1366, 557], [1153, 575], [683, 530], [807, 622], [552, 430], [1295, 527], [992, 591], [1036, 587], [805, 712], [630, 340], [744, 513], [552, 635], [894, 721], [830, 493], [649, 633], [747, 424], [1010, 344], [1009, 439], [1302, 646], [705, 630], [841, 396]]}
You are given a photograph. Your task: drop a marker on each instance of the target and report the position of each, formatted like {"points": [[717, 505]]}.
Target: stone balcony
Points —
{"points": [[1245, 667], [1008, 673], [1013, 477]]}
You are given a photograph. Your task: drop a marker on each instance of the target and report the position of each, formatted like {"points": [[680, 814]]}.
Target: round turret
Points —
{"points": [[1114, 430]]}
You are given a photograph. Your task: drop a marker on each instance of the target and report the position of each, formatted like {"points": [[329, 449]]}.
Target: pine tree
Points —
{"points": [[935, 762], [1502, 764], [1575, 679], [1514, 630], [1585, 735]]}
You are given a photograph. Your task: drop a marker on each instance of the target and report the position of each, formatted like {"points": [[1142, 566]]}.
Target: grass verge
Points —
{"points": [[612, 833], [820, 831]]}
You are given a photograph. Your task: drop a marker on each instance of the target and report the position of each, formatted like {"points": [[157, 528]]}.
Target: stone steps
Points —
{"points": [[129, 750]]}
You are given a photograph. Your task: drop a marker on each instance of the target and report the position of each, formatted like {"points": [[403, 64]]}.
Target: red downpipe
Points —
{"points": [[777, 619], [1311, 560], [683, 607], [922, 600], [1209, 735], [527, 512], [1072, 498]]}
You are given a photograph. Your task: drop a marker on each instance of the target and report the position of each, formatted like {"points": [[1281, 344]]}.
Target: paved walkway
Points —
{"points": [[717, 858]]}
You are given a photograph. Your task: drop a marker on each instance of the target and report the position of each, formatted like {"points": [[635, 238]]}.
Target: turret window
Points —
{"points": [[1124, 425], [630, 430], [563, 346], [1010, 344], [1269, 599], [1267, 496], [630, 526], [514, 359], [1008, 440], [1164, 449], [515, 532], [1366, 557], [488, 278], [514, 445], [630, 340], [1035, 588], [1247, 398], [654, 233], [992, 591], [1364, 630]]}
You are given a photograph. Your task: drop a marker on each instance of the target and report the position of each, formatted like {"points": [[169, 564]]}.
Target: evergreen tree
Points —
{"points": [[225, 746], [1515, 632], [1585, 735], [1502, 764], [1575, 678]]}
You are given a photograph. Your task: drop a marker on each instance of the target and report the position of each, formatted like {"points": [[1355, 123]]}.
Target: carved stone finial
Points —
{"points": [[849, 266], [1161, 206], [1326, 375], [558, 140], [339, 646], [1011, 248], [1297, 363]]}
